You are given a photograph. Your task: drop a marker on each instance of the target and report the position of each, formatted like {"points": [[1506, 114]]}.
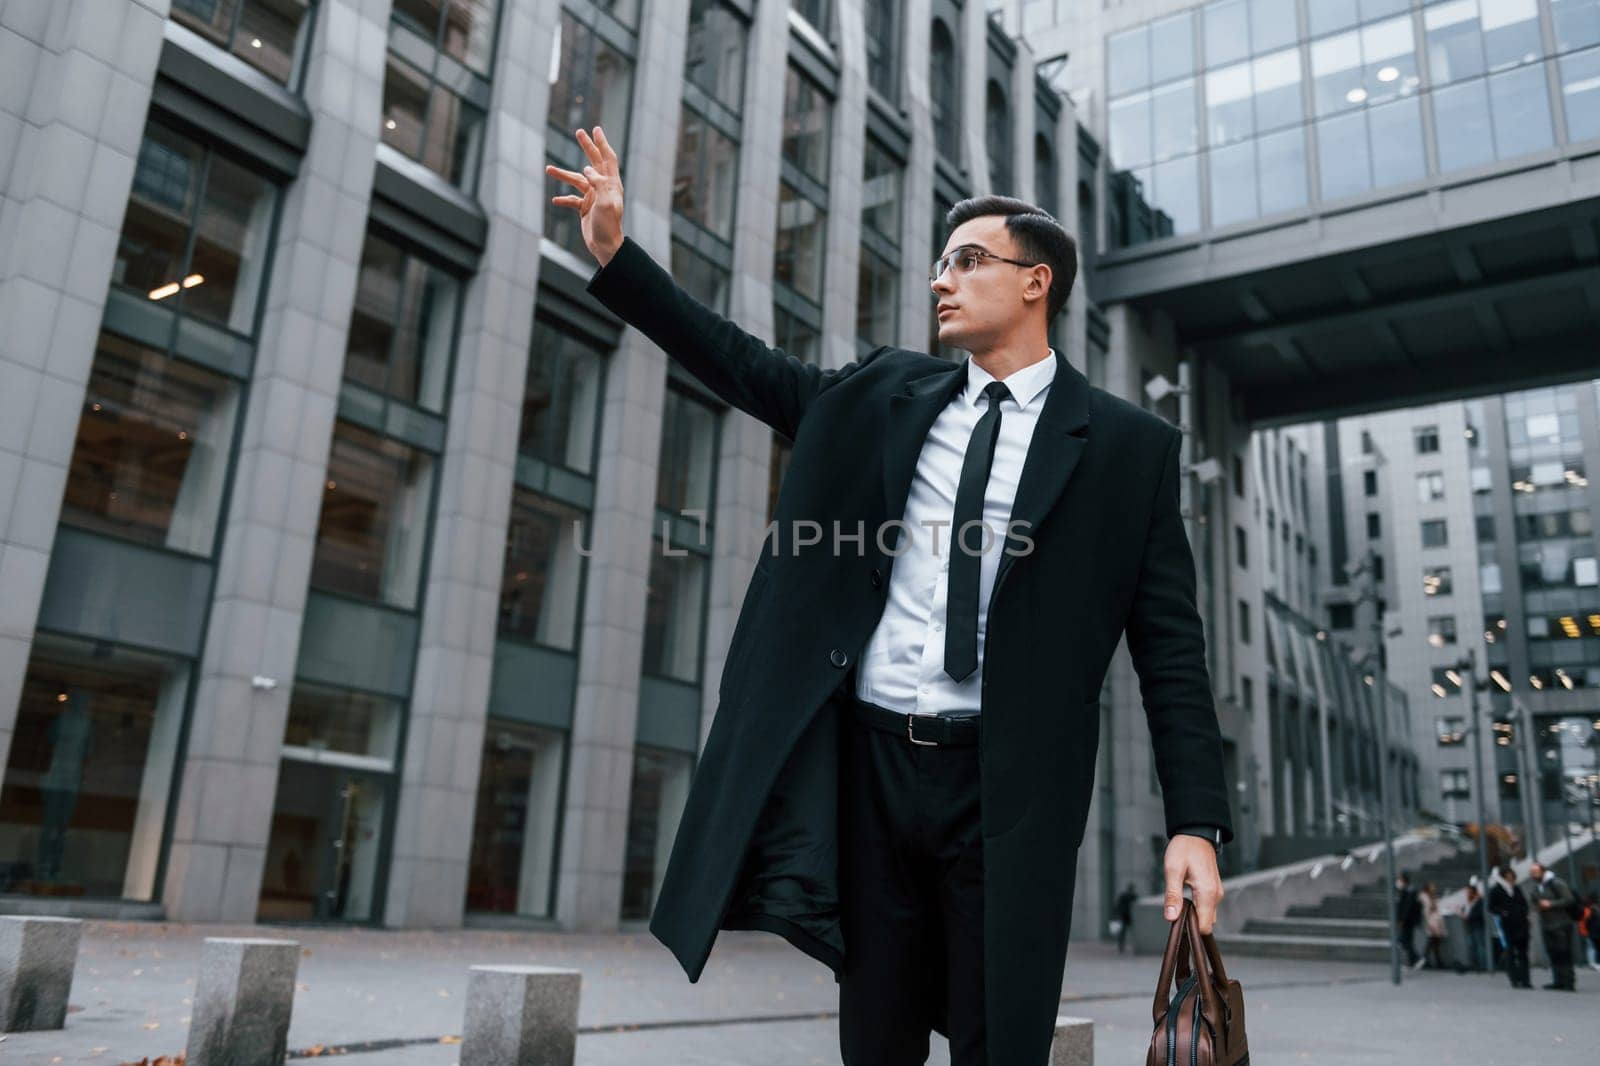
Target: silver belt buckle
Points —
{"points": [[911, 737]]}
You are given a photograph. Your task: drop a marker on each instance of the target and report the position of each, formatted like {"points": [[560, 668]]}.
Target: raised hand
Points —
{"points": [[599, 206]]}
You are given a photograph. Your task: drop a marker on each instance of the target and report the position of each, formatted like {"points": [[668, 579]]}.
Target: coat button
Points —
{"points": [[877, 578], [838, 658]]}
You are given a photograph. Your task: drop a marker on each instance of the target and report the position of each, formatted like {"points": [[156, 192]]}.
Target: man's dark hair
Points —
{"points": [[1038, 236]]}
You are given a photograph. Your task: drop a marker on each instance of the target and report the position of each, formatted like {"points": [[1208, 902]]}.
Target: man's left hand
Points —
{"points": [[1192, 861]]}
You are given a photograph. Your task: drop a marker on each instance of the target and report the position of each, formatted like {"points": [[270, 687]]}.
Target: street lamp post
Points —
{"points": [[1467, 665], [1380, 680]]}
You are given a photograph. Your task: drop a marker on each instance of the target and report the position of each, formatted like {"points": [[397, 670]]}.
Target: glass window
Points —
{"points": [[1272, 25], [1577, 23], [674, 614], [1281, 161], [1329, 15], [153, 448], [1435, 533], [543, 574], [561, 400], [801, 233], [715, 57], [195, 234], [90, 768], [688, 462], [374, 520], [1389, 60], [655, 803], [323, 719], [591, 84], [883, 48], [1176, 185], [700, 277], [806, 123], [1172, 46], [1580, 91], [462, 29], [881, 195], [1436, 581], [1441, 630], [511, 867], [1229, 115], [945, 99], [1276, 80], [795, 336], [1464, 125], [1227, 25], [1128, 61], [816, 12], [707, 169], [1396, 133], [1336, 73], [267, 34], [1044, 177], [402, 326], [425, 121], [1520, 103], [877, 300], [1430, 486], [997, 138], [1173, 120], [1346, 166], [1233, 183], [1510, 32]]}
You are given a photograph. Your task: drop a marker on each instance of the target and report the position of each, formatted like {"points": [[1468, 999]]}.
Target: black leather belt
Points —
{"points": [[937, 730]]}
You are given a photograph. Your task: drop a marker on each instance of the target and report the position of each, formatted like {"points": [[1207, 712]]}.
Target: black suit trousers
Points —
{"points": [[911, 888]]}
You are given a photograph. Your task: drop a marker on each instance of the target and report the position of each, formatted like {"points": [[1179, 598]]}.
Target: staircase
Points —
{"points": [[1351, 927]]}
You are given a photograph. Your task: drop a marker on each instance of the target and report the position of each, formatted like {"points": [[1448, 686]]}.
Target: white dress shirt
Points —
{"points": [[902, 667]]}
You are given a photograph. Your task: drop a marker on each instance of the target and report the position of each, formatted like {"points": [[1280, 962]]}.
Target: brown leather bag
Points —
{"points": [[1202, 1022]]}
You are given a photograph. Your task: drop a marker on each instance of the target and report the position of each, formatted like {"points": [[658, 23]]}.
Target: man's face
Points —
{"points": [[995, 298], [1536, 871]]}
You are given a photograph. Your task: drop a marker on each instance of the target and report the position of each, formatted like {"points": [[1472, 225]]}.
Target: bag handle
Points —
{"points": [[1207, 960], [1177, 947]]}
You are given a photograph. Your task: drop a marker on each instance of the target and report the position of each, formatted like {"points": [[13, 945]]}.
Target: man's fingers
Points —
{"points": [[591, 150], [605, 146], [1174, 898], [1207, 895], [567, 201], [568, 176]]}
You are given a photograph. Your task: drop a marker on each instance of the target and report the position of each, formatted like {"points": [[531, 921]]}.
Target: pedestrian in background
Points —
{"points": [[1407, 913], [1124, 910], [1510, 908], [1557, 915], [1433, 926], [1472, 917], [1589, 930]]}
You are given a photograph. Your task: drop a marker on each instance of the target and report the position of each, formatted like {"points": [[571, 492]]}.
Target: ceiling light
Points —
{"points": [[389, 125], [255, 42], [192, 280], [1388, 73], [1356, 95], [164, 291]]}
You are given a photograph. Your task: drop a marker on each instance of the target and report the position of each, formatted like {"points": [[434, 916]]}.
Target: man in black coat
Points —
{"points": [[1510, 906], [1555, 902], [898, 773]]}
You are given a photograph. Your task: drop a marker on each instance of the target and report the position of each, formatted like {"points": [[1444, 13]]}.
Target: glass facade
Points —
{"points": [[1215, 114], [267, 34], [655, 803], [402, 327], [883, 48], [376, 509], [543, 577], [91, 769], [436, 87], [512, 865], [944, 88], [561, 400]]}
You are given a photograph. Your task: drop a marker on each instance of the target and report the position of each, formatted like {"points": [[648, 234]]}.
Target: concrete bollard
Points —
{"points": [[1074, 1042], [242, 1002], [36, 960], [521, 1016]]}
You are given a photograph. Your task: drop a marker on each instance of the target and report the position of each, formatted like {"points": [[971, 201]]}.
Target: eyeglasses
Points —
{"points": [[966, 261]]}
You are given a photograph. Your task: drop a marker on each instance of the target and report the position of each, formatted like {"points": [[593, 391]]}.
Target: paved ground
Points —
{"points": [[397, 998]]}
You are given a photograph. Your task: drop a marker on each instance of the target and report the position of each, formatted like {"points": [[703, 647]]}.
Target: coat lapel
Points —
{"points": [[1058, 441]]}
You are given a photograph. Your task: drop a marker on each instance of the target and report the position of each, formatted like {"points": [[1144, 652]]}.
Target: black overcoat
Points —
{"points": [[757, 844]]}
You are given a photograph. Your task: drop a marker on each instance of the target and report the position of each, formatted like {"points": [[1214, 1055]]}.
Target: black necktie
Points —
{"points": [[961, 598]]}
